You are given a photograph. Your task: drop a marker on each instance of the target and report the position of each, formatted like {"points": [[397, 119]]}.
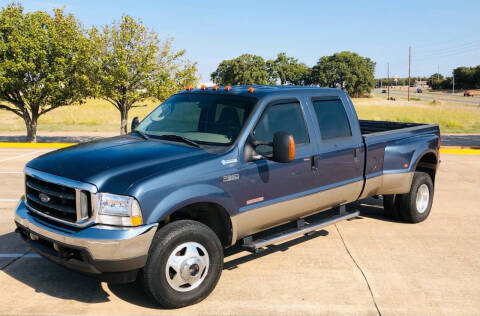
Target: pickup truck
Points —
{"points": [[215, 167]]}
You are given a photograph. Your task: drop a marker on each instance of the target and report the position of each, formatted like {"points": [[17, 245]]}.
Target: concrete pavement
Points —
{"points": [[365, 266]]}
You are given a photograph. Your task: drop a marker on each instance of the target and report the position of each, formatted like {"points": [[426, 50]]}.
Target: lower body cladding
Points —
{"points": [[112, 254]]}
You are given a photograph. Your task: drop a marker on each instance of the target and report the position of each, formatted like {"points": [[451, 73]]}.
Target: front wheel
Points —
{"points": [[184, 264], [414, 206]]}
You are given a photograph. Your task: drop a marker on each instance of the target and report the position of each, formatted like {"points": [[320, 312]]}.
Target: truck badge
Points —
{"points": [[44, 198], [231, 177]]}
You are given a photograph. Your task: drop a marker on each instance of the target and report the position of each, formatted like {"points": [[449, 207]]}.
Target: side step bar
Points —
{"points": [[302, 228]]}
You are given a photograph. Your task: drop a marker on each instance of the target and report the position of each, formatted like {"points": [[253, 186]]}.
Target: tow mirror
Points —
{"points": [[283, 147], [135, 123]]}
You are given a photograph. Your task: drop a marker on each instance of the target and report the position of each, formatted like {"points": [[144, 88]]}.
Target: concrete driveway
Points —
{"points": [[366, 266]]}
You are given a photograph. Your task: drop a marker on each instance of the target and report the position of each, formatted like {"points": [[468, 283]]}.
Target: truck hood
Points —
{"points": [[114, 164]]}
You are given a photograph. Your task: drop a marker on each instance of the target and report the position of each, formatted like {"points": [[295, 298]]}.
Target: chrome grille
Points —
{"points": [[57, 201]]}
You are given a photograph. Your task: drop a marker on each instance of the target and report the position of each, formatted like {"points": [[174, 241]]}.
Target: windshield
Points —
{"points": [[208, 119]]}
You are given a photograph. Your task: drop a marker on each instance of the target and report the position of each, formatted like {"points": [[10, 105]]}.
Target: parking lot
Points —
{"points": [[366, 266]]}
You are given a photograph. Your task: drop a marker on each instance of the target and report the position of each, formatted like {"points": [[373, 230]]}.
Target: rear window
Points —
{"points": [[332, 119]]}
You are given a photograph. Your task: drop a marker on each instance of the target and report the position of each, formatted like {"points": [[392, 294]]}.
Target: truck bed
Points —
{"points": [[370, 127]]}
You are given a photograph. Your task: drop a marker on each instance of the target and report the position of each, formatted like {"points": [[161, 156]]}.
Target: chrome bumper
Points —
{"points": [[104, 244]]}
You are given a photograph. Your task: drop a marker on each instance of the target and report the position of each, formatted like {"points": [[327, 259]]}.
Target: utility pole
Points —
{"points": [[388, 81], [409, 60], [453, 82]]}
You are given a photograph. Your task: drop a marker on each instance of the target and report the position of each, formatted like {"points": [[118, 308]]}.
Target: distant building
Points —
{"points": [[421, 83]]}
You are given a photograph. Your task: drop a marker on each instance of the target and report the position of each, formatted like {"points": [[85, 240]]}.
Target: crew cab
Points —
{"points": [[215, 167]]}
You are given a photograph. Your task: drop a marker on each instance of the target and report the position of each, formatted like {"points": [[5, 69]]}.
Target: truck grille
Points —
{"points": [[56, 200]]}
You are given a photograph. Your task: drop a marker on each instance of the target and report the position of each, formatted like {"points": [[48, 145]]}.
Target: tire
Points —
{"points": [[410, 208], [195, 251], [390, 207]]}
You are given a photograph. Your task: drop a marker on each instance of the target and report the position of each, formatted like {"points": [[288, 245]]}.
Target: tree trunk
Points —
{"points": [[31, 130], [123, 122]]}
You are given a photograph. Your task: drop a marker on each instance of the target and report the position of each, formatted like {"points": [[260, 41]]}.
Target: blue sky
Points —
{"points": [[441, 33]]}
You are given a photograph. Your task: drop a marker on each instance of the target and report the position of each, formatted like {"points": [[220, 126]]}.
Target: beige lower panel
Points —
{"points": [[255, 220], [391, 183]]}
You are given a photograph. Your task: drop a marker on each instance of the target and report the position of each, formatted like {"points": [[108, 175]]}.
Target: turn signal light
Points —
{"points": [[227, 88], [291, 149], [251, 89]]}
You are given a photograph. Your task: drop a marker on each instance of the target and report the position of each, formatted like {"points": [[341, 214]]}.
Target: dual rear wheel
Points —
{"points": [[414, 206]]}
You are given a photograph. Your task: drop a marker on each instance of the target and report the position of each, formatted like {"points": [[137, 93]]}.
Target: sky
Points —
{"points": [[442, 34]]}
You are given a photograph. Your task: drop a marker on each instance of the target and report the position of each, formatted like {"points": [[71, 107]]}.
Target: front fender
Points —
{"points": [[189, 195]]}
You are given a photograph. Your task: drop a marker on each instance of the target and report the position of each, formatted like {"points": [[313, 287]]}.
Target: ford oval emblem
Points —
{"points": [[44, 198]]}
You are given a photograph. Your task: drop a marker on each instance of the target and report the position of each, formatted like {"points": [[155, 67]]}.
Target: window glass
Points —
{"points": [[284, 117], [210, 119], [332, 118]]}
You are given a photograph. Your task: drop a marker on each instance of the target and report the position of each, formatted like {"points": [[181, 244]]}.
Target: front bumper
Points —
{"points": [[96, 250]]}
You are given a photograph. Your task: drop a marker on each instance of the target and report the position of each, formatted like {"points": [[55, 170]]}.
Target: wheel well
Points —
{"points": [[428, 164], [210, 214]]}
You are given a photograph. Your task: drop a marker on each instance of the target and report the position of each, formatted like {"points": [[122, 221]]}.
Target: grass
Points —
{"points": [[95, 115], [452, 118], [100, 116]]}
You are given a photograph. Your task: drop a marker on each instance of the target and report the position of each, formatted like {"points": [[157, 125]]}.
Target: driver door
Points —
{"points": [[272, 191]]}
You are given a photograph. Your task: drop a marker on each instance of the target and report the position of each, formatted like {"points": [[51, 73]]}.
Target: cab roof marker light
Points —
{"points": [[251, 89], [214, 87], [227, 88], [203, 87], [188, 88]]}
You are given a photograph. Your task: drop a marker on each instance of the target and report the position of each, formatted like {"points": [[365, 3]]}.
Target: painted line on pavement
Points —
{"points": [[22, 155], [460, 151], [445, 149], [36, 145], [9, 200], [18, 255]]}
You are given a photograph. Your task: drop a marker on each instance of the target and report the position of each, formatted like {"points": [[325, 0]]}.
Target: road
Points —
{"points": [[353, 268], [430, 96]]}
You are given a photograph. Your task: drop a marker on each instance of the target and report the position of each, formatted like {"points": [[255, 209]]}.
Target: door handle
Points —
{"points": [[315, 162], [356, 153]]}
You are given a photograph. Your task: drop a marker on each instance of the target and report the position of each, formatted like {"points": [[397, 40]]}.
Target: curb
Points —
{"points": [[459, 150], [36, 145]]}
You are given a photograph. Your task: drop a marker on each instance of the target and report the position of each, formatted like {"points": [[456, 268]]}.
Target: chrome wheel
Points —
{"points": [[187, 266], [422, 199]]}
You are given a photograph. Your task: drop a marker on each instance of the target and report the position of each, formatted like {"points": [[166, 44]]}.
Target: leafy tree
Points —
{"points": [[44, 63], [246, 69], [435, 80], [346, 70], [132, 65], [464, 77], [288, 70]]}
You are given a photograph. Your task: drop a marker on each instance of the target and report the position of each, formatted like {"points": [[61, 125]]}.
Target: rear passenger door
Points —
{"points": [[339, 159]]}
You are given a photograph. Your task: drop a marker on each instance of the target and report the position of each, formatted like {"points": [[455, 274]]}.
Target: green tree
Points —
{"points": [[346, 70], [44, 63], [287, 70], [435, 81], [246, 69], [132, 65], [464, 77]]}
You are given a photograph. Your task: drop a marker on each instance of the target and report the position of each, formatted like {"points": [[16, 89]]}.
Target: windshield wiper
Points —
{"points": [[142, 134], [180, 138]]}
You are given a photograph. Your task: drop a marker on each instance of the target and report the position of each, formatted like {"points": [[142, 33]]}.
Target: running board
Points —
{"points": [[302, 228]]}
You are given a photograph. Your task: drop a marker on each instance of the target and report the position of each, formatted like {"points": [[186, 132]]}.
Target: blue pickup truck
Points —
{"points": [[215, 167]]}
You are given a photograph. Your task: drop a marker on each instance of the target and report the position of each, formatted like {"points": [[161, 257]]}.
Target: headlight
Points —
{"points": [[118, 210]]}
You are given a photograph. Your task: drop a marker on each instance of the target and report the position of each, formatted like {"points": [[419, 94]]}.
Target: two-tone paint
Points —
{"points": [[255, 195]]}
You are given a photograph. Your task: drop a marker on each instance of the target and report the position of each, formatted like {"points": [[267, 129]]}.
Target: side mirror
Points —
{"points": [[135, 123], [283, 147]]}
